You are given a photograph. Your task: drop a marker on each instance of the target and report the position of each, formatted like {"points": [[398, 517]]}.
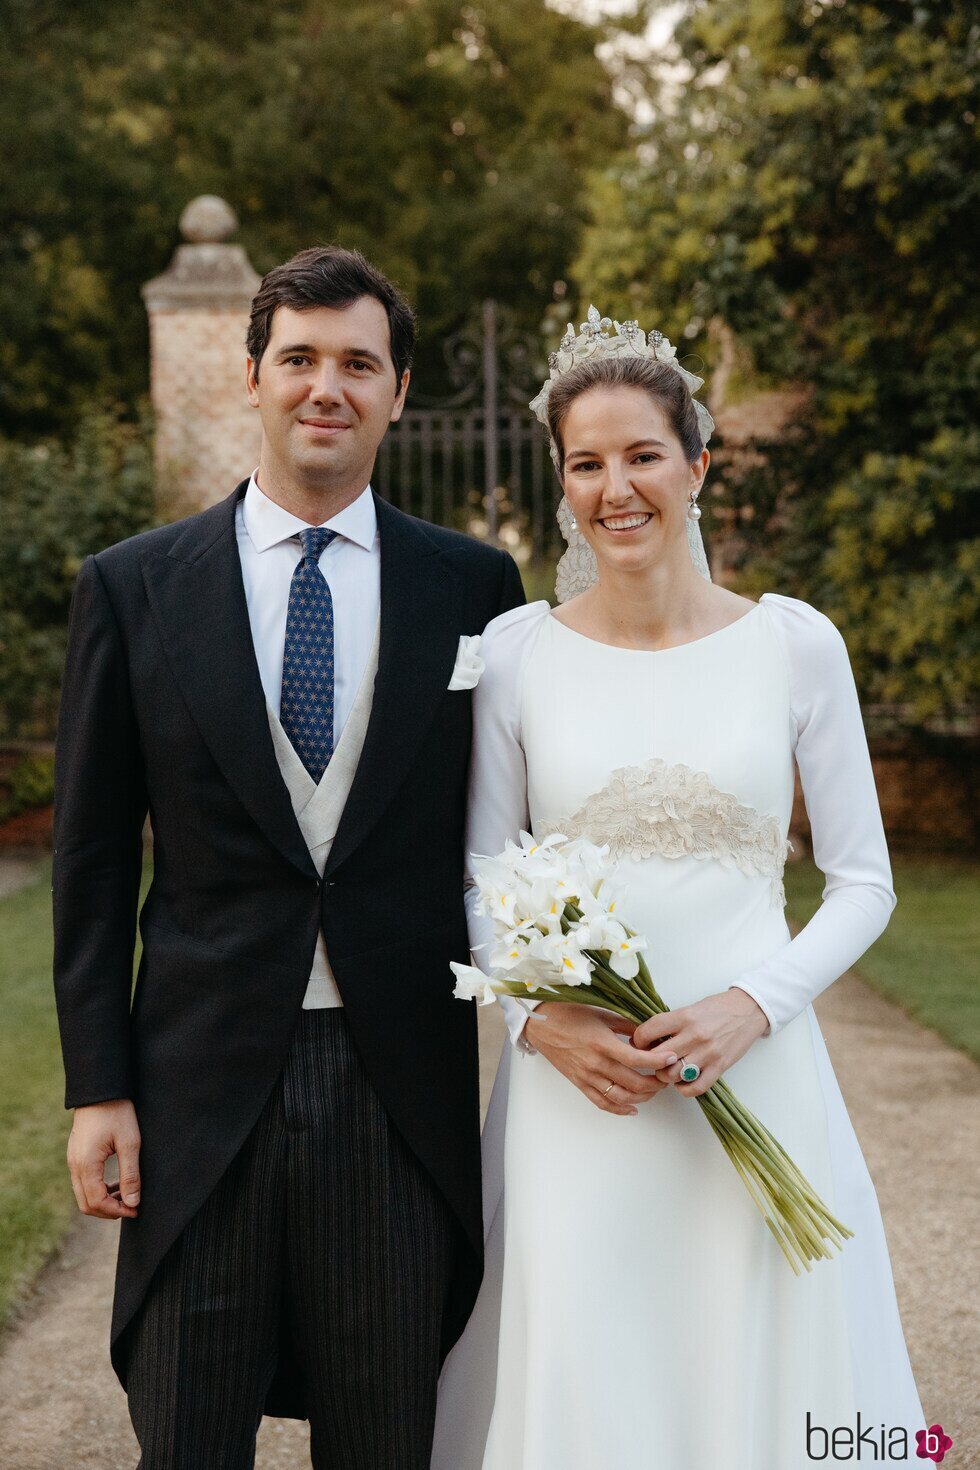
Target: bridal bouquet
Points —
{"points": [[558, 935]]}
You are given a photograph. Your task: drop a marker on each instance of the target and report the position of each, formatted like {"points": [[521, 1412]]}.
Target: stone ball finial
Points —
{"points": [[208, 220]]}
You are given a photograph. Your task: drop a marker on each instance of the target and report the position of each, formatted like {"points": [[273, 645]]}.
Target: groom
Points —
{"points": [[292, 1095]]}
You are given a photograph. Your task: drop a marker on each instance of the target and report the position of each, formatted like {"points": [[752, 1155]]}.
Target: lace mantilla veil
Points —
{"points": [[577, 569]]}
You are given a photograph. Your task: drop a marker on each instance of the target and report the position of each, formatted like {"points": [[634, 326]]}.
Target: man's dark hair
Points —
{"points": [[326, 275]]}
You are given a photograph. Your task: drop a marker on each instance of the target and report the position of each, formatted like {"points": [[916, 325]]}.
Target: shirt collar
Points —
{"points": [[268, 523]]}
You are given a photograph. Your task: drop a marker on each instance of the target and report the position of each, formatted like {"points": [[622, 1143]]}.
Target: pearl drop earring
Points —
{"points": [[694, 510]]}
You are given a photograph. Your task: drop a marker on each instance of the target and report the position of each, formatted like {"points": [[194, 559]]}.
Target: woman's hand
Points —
{"points": [[583, 1043], [713, 1032]]}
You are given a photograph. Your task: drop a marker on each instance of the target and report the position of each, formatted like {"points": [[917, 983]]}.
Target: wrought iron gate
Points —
{"points": [[478, 460]]}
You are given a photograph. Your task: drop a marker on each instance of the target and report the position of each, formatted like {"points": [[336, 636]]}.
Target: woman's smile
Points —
{"points": [[625, 525]]}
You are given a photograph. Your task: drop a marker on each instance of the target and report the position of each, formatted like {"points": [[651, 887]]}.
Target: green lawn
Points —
{"points": [[36, 1202], [927, 958]]}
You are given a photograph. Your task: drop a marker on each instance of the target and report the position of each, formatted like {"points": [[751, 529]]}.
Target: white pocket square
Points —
{"points": [[469, 664]]}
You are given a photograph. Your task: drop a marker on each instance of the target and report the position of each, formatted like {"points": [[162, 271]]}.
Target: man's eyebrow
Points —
{"points": [[364, 352], [310, 351]]}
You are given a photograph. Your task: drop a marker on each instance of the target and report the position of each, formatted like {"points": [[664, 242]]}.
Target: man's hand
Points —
{"points": [[99, 1131], [582, 1043]]}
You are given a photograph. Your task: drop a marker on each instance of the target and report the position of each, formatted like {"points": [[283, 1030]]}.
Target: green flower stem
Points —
{"points": [[783, 1164], [799, 1221], [793, 1219], [781, 1224], [727, 1095], [614, 982], [774, 1147], [618, 996], [746, 1177], [736, 1116], [784, 1185], [646, 981], [807, 1226]]}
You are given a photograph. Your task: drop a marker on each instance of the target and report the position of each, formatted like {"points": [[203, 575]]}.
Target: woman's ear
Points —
{"points": [[699, 469]]}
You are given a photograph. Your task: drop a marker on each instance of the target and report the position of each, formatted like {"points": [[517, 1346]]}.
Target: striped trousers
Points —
{"points": [[325, 1226]]}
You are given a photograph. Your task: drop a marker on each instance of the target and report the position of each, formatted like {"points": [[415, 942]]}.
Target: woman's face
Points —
{"points": [[626, 477]]}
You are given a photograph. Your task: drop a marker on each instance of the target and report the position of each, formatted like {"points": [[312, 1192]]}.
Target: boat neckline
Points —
{"points": [[654, 652]]}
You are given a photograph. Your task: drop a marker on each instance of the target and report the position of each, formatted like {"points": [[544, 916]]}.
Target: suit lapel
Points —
{"points": [[197, 596], [420, 621]]}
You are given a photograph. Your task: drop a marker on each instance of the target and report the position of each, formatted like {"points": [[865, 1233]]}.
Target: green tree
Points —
{"points": [[59, 505], [450, 141], [811, 184]]}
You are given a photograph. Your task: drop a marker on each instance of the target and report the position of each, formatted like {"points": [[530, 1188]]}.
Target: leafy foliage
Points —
{"points": [[58, 506], [449, 141], [811, 186], [30, 784]]}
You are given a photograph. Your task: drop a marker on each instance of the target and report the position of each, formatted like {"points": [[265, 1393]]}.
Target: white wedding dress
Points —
{"points": [[635, 1309]]}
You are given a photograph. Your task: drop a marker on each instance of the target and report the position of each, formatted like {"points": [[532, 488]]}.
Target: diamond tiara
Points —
{"points": [[595, 340]]}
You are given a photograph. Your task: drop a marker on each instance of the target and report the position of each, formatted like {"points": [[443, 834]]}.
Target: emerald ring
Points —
{"points": [[690, 1071]]}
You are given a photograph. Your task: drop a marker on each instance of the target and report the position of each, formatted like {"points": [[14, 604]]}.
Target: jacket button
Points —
{"points": [[317, 885]]}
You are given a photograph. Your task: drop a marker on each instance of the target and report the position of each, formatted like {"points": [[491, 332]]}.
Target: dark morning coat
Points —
{"points": [[163, 711]]}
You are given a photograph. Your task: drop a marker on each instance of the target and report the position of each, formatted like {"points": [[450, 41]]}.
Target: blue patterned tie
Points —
{"points": [[306, 702]]}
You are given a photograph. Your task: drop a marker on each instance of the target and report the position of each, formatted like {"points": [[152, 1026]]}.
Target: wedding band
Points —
{"points": [[690, 1071], [608, 1089]]}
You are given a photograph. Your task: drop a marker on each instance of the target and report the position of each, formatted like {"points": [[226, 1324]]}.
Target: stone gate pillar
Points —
{"points": [[207, 436]]}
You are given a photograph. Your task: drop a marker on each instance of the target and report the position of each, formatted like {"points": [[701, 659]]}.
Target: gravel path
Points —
{"points": [[915, 1104]]}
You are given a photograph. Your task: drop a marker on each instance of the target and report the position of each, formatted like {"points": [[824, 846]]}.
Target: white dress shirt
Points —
{"points": [[270, 549]]}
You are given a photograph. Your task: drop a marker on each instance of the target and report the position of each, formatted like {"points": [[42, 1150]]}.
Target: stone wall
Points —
{"points": [[207, 435]]}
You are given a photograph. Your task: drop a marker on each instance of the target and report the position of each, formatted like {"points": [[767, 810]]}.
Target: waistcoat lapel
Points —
{"points": [[318, 808]]}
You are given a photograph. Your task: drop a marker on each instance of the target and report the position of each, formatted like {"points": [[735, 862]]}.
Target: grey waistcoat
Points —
{"points": [[318, 808]]}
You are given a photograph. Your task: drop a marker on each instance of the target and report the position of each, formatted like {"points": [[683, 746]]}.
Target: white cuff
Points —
{"points": [[516, 1012], [773, 1027]]}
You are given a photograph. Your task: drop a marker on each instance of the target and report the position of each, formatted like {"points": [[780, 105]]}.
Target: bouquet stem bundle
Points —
{"points": [[558, 940]]}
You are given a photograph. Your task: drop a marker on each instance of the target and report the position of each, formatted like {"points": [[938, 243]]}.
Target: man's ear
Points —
{"points": [[252, 381], [399, 403]]}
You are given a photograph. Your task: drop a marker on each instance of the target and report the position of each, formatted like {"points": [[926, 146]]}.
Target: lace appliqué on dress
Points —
{"points": [[657, 810]]}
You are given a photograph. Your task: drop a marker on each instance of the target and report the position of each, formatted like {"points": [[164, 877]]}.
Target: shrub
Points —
{"points": [[57, 506], [29, 785]]}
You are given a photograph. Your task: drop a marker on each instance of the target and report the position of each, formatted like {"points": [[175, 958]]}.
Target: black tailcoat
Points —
{"points": [[163, 711]]}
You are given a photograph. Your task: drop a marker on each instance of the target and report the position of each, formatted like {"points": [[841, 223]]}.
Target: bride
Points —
{"points": [[635, 1310]]}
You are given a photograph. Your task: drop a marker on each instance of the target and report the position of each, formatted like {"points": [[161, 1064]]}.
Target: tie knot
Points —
{"points": [[314, 539]]}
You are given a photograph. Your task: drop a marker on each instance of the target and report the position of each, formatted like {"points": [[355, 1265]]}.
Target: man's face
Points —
{"points": [[326, 392]]}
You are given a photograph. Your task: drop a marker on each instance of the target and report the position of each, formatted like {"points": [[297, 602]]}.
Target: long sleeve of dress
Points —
{"points": [[849, 845], [497, 808]]}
